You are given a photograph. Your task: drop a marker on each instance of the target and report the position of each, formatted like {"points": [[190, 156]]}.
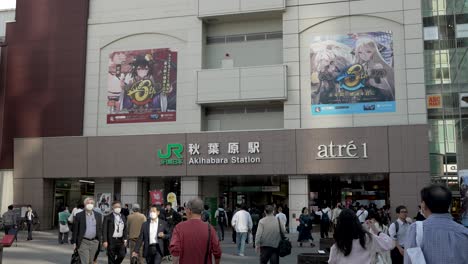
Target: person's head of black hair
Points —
{"points": [[206, 207], [437, 198], [347, 229], [221, 206], [10, 207], [399, 208], [269, 209], [244, 207], [303, 209]]}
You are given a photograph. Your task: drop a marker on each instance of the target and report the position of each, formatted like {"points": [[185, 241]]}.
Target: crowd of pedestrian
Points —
{"points": [[192, 233]]}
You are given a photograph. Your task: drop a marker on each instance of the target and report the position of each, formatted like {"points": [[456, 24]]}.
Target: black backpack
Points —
{"points": [[325, 217], [221, 217]]}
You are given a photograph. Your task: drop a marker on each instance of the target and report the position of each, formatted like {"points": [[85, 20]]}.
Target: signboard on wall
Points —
{"points": [[104, 202], [142, 86], [352, 74], [157, 197], [463, 100], [434, 101]]}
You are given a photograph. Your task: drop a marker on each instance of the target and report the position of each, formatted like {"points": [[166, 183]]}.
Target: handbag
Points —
{"points": [[134, 260], [75, 259], [64, 228], [284, 246], [250, 238], [415, 254]]}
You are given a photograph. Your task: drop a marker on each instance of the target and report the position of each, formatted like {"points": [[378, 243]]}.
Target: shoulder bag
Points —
{"points": [[415, 254], [208, 245], [284, 246]]}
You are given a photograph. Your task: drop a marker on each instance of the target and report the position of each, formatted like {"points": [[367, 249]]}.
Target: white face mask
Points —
{"points": [[117, 210], [153, 215], [89, 207]]}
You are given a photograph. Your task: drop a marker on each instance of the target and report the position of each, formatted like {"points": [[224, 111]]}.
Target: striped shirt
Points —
{"points": [[444, 240]]}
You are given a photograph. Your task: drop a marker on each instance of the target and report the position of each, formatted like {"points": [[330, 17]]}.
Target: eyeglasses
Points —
{"points": [[403, 212]]}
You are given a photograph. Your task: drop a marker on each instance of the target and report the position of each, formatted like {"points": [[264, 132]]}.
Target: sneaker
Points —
{"points": [[242, 255]]}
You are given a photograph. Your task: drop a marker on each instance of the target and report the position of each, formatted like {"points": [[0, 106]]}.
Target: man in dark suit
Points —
{"points": [[87, 232], [115, 234], [152, 234], [31, 217]]}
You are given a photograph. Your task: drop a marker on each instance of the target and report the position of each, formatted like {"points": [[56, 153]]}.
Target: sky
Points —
{"points": [[7, 4]]}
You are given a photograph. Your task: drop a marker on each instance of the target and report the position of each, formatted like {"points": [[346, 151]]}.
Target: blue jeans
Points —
{"points": [[240, 239]]}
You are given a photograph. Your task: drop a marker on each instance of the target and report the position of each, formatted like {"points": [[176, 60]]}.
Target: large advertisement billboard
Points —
{"points": [[352, 74], [142, 86]]}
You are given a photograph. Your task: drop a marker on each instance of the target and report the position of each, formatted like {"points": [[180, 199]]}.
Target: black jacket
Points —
{"points": [[109, 227], [79, 227], [145, 234]]}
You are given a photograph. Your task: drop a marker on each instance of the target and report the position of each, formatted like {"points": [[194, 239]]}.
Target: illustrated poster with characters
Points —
{"points": [[142, 86], [352, 74]]}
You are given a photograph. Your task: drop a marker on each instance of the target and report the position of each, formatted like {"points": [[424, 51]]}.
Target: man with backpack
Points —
{"points": [[222, 219], [206, 216], [325, 216], [397, 231]]}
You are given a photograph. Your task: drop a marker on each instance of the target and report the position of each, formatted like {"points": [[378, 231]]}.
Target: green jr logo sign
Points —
{"points": [[167, 159]]}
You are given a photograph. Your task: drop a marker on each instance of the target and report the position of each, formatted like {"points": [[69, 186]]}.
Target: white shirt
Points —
{"points": [[362, 215], [282, 218], [402, 230], [242, 221], [118, 226], [30, 215], [153, 238]]}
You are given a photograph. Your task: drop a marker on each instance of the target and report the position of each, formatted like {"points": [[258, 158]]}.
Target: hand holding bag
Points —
{"points": [[75, 259], [285, 246], [415, 254]]}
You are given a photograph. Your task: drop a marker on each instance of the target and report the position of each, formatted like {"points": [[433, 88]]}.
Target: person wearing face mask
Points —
{"points": [[30, 217], [115, 234], [153, 234], [87, 232]]}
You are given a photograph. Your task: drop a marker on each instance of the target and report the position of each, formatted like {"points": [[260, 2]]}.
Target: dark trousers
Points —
{"points": [[269, 254], [154, 255], [221, 231], [397, 258], [324, 226], [116, 251], [234, 234], [29, 223], [63, 238], [7, 228]]}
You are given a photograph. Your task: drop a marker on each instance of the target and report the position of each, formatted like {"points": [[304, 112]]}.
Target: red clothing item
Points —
{"points": [[189, 241]]}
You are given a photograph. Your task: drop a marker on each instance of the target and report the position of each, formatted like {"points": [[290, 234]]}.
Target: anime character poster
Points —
{"points": [[104, 202], [142, 86], [463, 174], [352, 74]]}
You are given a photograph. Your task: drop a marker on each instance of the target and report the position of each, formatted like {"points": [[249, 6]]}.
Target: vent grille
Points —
{"points": [[244, 37]]}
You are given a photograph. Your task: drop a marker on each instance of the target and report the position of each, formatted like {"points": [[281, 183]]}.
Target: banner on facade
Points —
{"points": [[157, 197], [352, 74], [142, 86], [104, 202]]}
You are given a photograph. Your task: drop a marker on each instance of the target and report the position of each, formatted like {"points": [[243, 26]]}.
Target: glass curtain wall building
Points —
{"points": [[446, 57]]}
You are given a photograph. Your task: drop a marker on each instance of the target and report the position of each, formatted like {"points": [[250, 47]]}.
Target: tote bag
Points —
{"points": [[415, 254]]}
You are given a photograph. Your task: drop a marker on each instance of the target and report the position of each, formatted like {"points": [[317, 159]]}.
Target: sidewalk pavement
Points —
{"points": [[44, 249]]}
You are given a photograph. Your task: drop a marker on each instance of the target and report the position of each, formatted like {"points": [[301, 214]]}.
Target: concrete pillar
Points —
{"points": [[298, 198], [210, 187], [6, 189], [131, 191], [405, 190], [189, 188]]}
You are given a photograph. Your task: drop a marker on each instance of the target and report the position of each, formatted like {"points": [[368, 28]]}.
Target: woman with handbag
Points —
{"points": [[353, 244], [63, 225], [305, 228]]}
